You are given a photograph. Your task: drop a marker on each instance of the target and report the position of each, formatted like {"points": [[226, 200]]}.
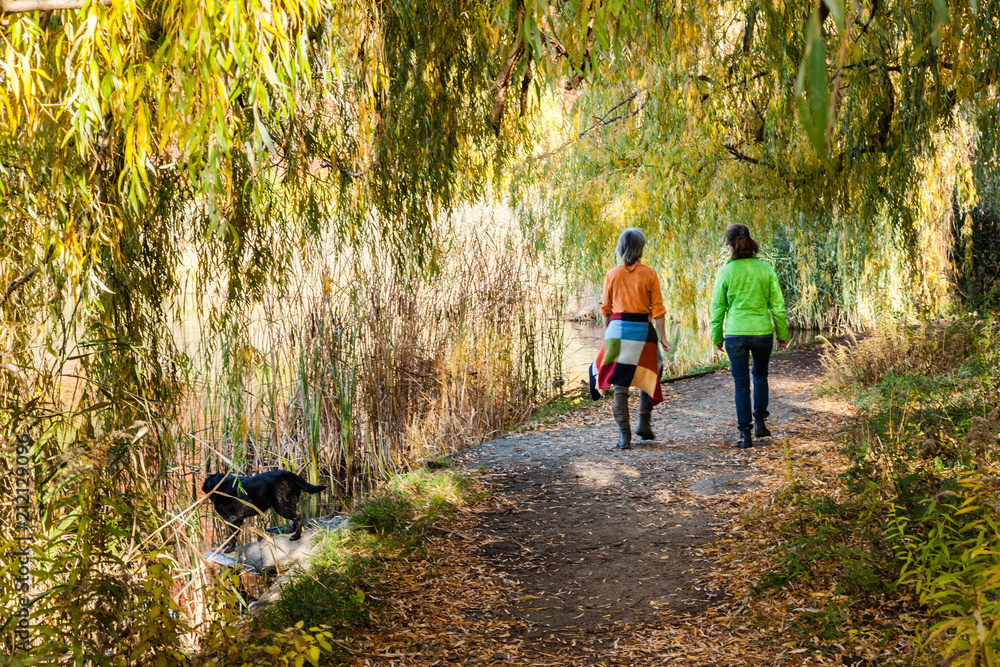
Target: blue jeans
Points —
{"points": [[740, 349]]}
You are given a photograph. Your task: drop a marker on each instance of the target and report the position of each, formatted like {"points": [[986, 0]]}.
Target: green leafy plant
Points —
{"points": [[346, 577]]}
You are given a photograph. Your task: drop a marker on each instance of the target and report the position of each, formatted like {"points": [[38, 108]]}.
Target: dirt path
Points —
{"points": [[594, 550]]}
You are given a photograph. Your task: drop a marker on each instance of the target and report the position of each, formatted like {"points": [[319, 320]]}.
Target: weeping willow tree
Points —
{"points": [[130, 131], [856, 138], [139, 139]]}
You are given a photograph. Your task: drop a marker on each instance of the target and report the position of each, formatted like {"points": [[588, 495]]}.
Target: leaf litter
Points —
{"points": [[521, 577]]}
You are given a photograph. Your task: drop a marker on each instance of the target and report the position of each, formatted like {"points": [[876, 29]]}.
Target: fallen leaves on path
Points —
{"points": [[456, 607]]}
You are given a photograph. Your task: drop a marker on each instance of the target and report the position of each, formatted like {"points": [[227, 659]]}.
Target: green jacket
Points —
{"points": [[745, 290]]}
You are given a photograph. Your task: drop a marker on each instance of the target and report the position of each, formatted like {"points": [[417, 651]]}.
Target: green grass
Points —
{"points": [[560, 405], [347, 576], [825, 536], [919, 423], [719, 364]]}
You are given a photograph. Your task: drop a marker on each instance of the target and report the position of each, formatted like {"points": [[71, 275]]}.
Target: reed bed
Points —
{"points": [[899, 346], [361, 371]]}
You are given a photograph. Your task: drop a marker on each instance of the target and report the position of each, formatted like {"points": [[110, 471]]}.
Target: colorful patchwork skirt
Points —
{"points": [[630, 357]]}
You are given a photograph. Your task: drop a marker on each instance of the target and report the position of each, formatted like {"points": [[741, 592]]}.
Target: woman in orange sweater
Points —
{"points": [[631, 304]]}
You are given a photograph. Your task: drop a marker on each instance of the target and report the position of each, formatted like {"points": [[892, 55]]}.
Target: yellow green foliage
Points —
{"points": [[927, 452], [857, 140]]}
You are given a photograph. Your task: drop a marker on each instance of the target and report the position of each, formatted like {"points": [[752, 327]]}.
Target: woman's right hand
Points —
{"points": [[665, 344], [782, 344]]}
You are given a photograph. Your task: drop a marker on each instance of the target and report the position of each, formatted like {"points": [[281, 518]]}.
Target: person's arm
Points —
{"points": [[662, 331], [776, 303], [605, 303], [658, 310], [720, 304]]}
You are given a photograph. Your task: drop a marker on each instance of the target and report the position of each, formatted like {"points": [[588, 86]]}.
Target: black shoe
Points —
{"points": [[746, 440], [760, 429], [624, 439], [645, 430]]}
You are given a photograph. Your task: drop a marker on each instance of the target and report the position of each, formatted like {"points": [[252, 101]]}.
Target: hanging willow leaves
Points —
{"points": [[146, 142], [145, 139], [133, 133], [838, 130], [811, 92]]}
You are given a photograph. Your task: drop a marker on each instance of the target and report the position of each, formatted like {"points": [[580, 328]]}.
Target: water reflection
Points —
{"points": [[690, 347]]}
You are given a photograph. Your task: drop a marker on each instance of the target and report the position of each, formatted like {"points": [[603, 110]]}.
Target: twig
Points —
{"points": [[30, 274], [599, 121], [17, 283]]}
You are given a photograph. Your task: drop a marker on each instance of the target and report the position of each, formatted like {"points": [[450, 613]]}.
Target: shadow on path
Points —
{"points": [[600, 539]]}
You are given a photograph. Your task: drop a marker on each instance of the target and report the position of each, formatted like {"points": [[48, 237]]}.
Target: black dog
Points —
{"points": [[239, 498]]}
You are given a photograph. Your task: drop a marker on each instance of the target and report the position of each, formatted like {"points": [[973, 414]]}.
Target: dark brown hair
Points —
{"points": [[739, 242]]}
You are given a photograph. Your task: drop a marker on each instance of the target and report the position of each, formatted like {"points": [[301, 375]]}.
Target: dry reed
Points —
{"points": [[927, 347]]}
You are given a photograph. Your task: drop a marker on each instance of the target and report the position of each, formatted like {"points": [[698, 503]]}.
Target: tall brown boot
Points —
{"points": [[620, 411], [645, 430]]}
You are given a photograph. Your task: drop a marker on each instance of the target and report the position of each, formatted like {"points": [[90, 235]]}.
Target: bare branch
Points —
{"points": [[740, 156], [607, 113], [19, 282], [871, 17], [599, 121]]}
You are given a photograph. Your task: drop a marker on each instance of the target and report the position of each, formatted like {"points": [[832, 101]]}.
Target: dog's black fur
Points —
{"points": [[239, 498]]}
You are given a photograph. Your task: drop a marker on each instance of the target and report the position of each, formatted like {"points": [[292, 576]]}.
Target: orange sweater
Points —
{"points": [[635, 291]]}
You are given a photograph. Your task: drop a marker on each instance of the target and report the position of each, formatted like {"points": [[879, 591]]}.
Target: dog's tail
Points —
{"points": [[307, 487]]}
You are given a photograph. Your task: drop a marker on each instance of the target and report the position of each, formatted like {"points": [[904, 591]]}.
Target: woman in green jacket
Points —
{"points": [[746, 296]]}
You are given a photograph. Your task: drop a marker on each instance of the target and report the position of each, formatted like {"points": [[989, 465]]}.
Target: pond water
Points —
{"points": [[690, 348]]}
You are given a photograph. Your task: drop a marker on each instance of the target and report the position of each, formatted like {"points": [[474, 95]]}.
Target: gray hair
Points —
{"points": [[630, 245]]}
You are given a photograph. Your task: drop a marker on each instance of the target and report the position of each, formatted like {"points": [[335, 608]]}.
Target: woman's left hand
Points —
{"points": [[666, 345], [719, 348]]}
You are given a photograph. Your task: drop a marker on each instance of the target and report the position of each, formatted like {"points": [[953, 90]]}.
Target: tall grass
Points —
{"points": [[361, 371], [898, 347]]}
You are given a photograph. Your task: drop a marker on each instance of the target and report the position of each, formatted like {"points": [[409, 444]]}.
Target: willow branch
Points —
{"points": [[17, 283], [871, 17], [740, 156], [599, 121], [525, 87], [20, 6], [499, 88], [23, 280], [578, 78]]}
